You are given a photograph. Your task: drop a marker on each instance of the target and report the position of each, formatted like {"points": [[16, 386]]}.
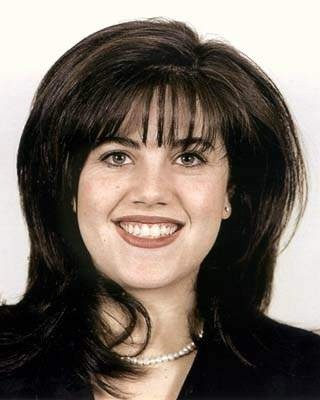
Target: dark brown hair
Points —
{"points": [[84, 99]]}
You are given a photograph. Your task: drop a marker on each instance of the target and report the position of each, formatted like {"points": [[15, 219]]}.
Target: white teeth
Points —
{"points": [[155, 231], [150, 231], [136, 230], [163, 230], [144, 231]]}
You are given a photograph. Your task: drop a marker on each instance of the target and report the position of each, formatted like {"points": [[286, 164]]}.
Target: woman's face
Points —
{"points": [[123, 184]]}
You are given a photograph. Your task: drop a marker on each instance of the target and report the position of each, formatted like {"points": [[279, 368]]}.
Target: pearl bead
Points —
{"points": [[164, 358]]}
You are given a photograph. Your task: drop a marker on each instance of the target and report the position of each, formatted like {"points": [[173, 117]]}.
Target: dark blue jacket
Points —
{"points": [[275, 361]]}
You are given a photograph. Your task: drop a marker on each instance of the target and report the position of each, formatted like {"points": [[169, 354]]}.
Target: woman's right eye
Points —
{"points": [[115, 159]]}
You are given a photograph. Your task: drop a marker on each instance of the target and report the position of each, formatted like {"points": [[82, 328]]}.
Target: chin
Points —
{"points": [[146, 283], [148, 280]]}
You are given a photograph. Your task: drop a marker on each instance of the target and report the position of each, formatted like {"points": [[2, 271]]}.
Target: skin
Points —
{"points": [[155, 181], [152, 181]]}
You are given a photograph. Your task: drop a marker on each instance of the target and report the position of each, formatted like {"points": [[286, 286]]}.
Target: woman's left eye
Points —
{"points": [[191, 159]]}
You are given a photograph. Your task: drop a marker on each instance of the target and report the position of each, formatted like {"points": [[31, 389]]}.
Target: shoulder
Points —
{"points": [[264, 358], [290, 358], [295, 348], [263, 340], [30, 365]]}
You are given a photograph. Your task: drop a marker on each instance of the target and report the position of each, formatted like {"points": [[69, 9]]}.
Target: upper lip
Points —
{"points": [[148, 219]]}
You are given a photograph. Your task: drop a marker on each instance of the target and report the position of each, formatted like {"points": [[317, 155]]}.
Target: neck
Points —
{"points": [[169, 309]]}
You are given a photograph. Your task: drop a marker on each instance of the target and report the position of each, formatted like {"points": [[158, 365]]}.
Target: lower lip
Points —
{"points": [[145, 242]]}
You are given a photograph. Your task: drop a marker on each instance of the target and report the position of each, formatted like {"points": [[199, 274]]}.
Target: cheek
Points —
{"points": [[96, 193], [94, 202], [204, 203], [89, 197], [205, 199]]}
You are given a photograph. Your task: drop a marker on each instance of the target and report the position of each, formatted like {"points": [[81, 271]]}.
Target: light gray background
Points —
{"points": [[281, 36]]}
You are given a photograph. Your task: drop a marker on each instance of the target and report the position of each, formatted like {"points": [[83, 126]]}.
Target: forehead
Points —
{"points": [[166, 118]]}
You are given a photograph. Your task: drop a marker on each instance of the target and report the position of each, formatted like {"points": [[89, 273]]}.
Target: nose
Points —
{"points": [[152, 186]]}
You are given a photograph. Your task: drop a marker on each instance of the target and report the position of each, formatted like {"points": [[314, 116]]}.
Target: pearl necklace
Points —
{"points": [[187, 349]]}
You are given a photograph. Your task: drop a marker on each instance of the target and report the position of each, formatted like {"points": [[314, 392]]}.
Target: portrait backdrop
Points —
{"points": [[280, 36]]}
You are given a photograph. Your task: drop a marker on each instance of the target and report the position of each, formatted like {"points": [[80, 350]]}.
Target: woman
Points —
{"points": [[157, 173]]}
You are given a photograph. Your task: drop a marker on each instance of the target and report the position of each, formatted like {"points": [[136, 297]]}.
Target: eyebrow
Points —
{"points": [[180, 143]]}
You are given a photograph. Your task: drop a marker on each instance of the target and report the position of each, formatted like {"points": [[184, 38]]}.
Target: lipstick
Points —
{"points": [[147, 242]]}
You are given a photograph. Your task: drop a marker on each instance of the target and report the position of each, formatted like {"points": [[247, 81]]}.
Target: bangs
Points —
{"points": [[178, 111]]}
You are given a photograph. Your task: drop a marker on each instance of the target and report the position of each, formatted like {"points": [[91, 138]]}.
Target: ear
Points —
{"points": [[231, 189], [74, 205], [227, 210]]}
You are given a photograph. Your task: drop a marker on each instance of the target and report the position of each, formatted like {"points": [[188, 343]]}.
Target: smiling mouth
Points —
{"points": [[148, 235], [150, 231]]}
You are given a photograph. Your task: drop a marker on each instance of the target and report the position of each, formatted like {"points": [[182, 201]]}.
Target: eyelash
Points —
{"points": [[200, 158]]}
